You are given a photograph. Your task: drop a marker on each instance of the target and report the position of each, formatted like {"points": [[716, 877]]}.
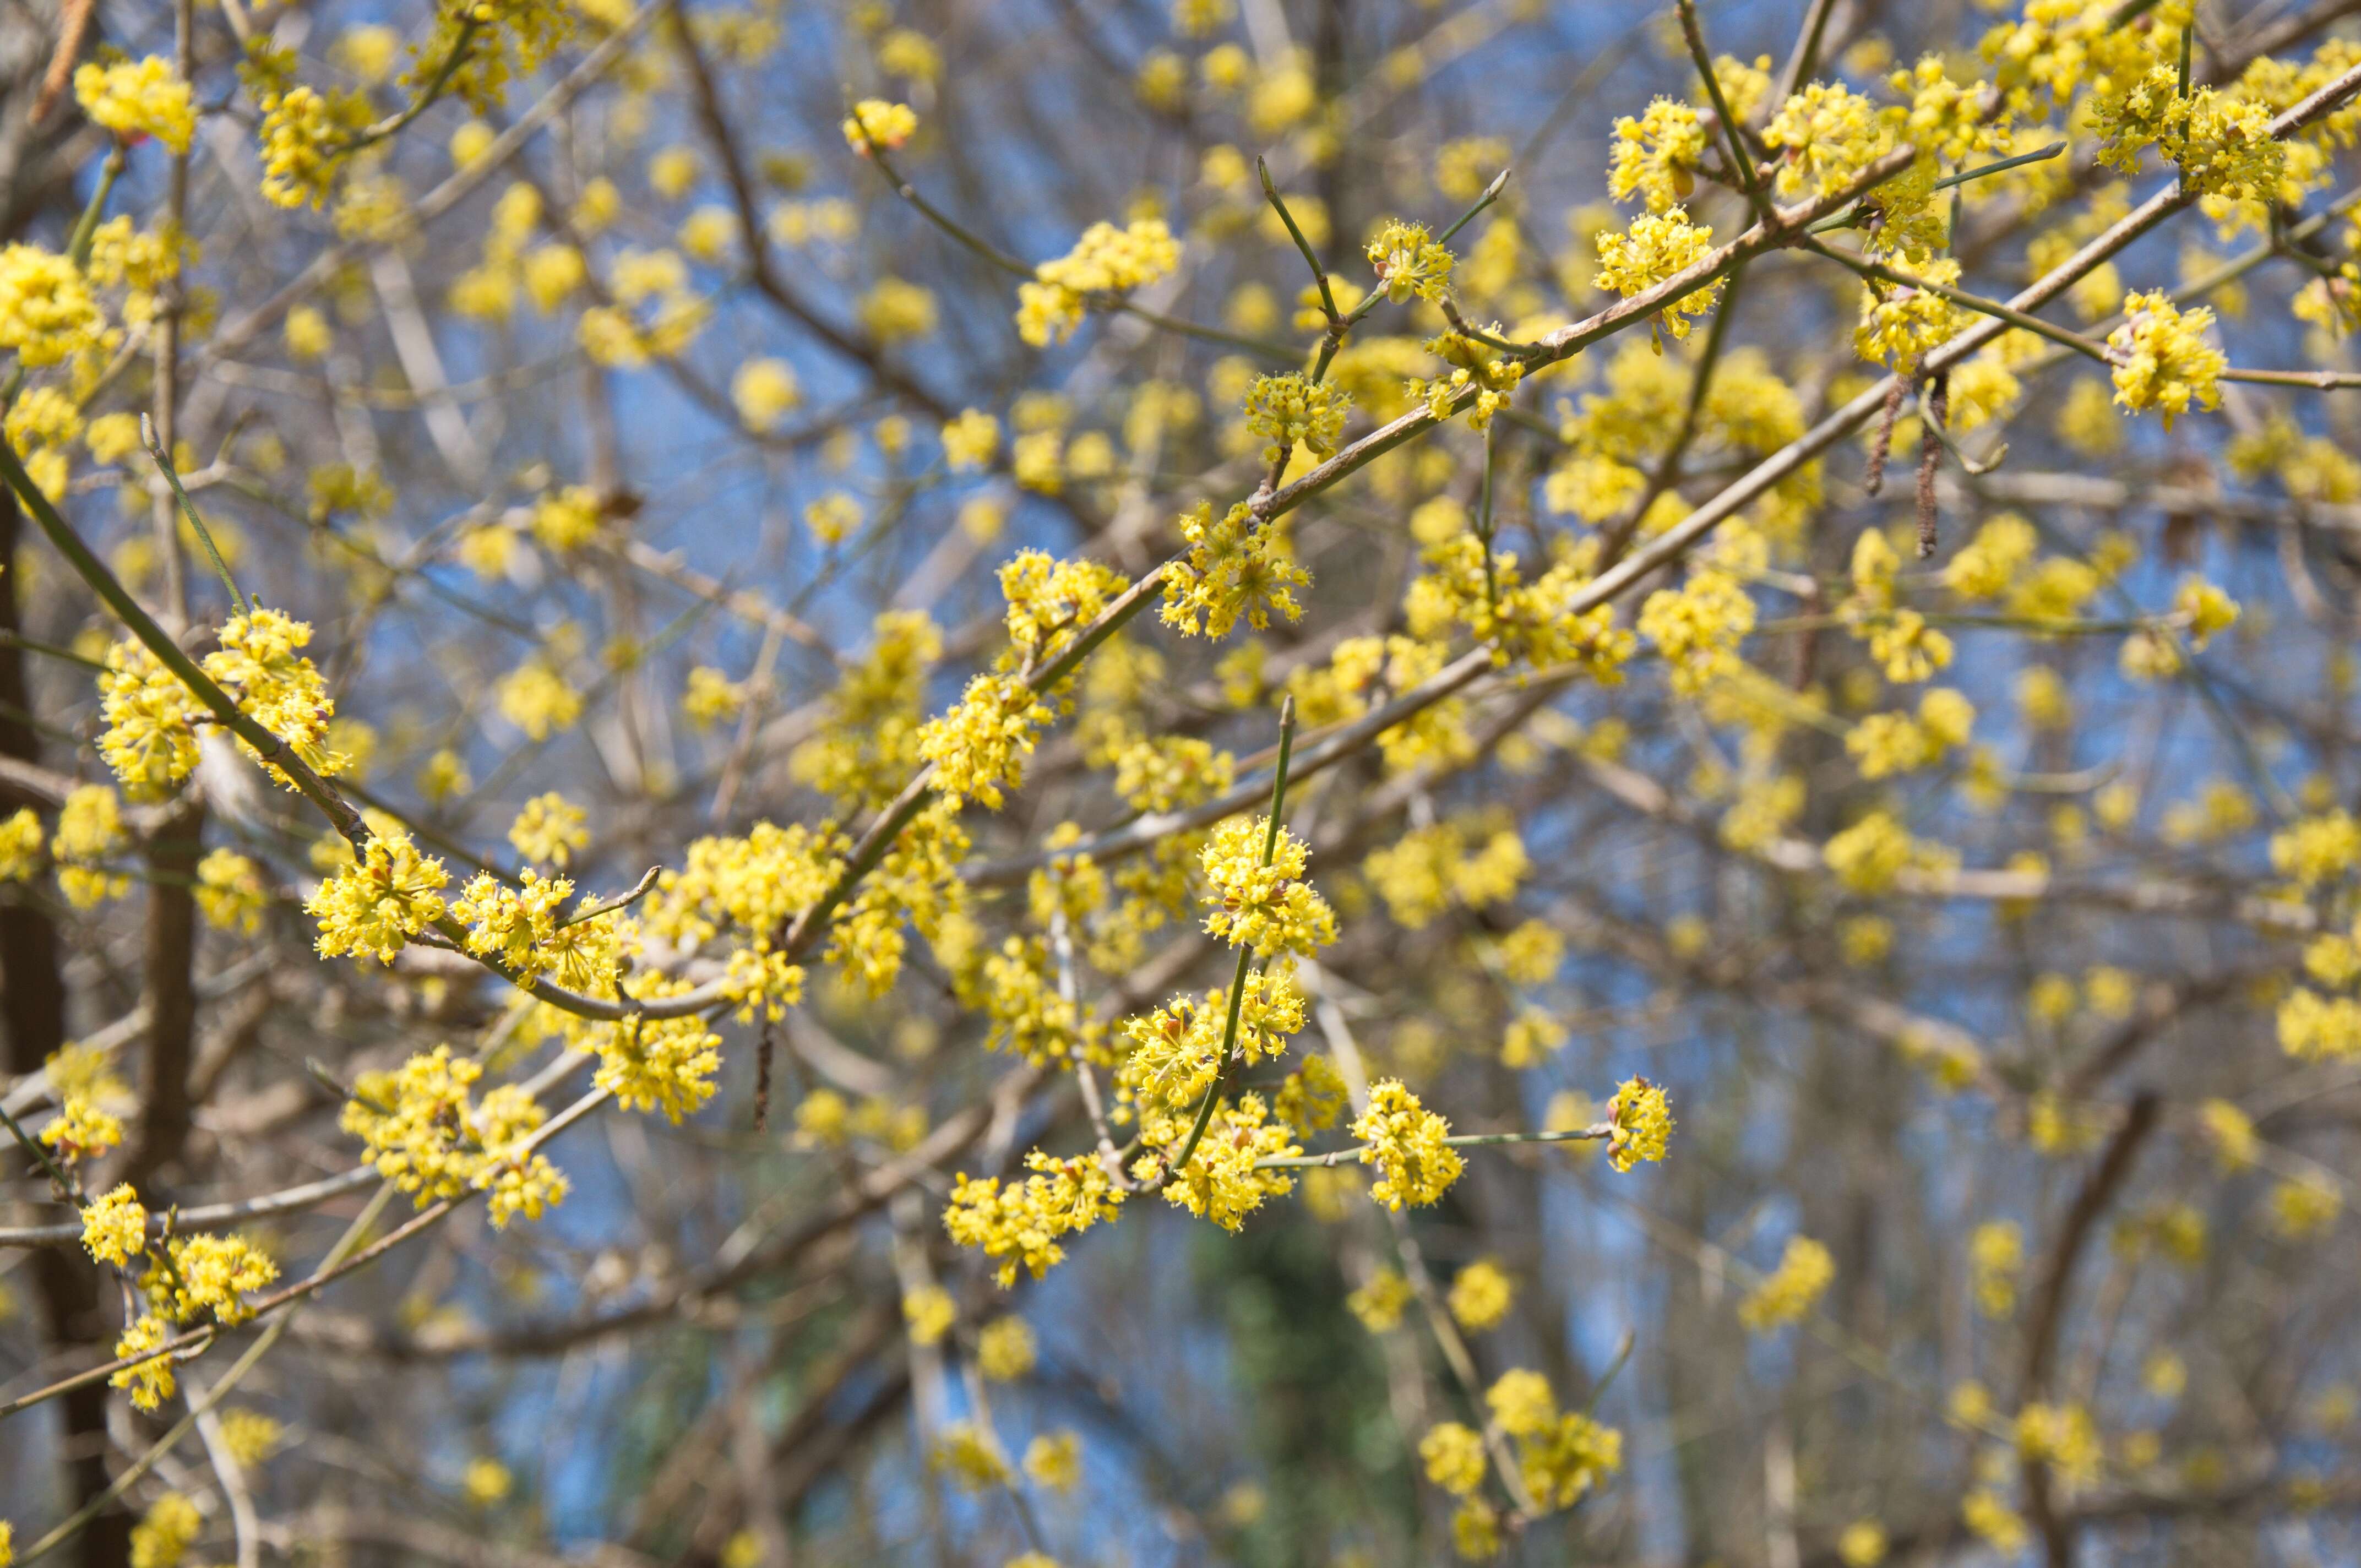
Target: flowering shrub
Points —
{"points": [[574, 653]]}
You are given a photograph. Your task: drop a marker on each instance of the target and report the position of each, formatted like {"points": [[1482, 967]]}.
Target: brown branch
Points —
{"points": [[2042, 1329], [73, 26]]}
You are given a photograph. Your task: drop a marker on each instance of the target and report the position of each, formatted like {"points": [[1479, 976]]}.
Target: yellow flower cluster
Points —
{"points": [[1220, 1182], [1654, 248], [538, 699], [565, 520], [192, 1274], [929, 1311], [1230, 568], [868, 743], [549, 829], [1642, 1119], [521, 930], [1378, 1303], [917, 879], [1162, 771], [1788, 1292], [115, 1226], [1107, 262], [979, 746], [46, 311], [307, 139], [484, 45], [1889, 743], [888, 125], [1031, 1016], [1453, 1454], [164, 1534], [1899, 639], [423, 1134], [1563, 1456], [1871, 854], [2062, 1437], [1268, 907], [2314, 849], [151, 1381], [1051, 603], [970, 441], [1290, 410], [1428, 868], [2162, 358], [1409, 263], [1405, 1142], [753, 885], [148, 739], [1828, 134], [1698, 628], [1021, 1223], [1945, 120], [1177, 1048], [1477, 367], [826, 1120], [2221, 143], [388, 894], [1480, 1295], [137, 98], [970, 1454], [1985, 566], [1900, 325], [2312, 1027], [90, 829], [1465, 585], [1006, 1350], [82, 1128], [1656, 156], [260, 664], [658, 1064]]}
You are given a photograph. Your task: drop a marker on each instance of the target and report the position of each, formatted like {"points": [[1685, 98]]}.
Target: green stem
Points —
{"points": [[50, 650], [399, 121], [86, 229], [164, 460], [1466, 1141], [1319, 273], [1491, 195], [102, 582], [58, 1178], [1238, 980], [2317, 380], [1741, 161], [2039, 155], [928, 210], [1850, 216]]}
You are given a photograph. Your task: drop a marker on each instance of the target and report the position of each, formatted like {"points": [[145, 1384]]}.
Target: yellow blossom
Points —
{"points": [[115, 1226], [1788, 1291], [1405, 1140], [1642, 1122], [1480, 1295], [376, 904], [2162, 358], [1655, 247], [137, 98]]}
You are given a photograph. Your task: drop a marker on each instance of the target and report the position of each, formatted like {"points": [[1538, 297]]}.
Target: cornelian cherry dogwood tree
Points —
{"points": [[851, 783]]}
